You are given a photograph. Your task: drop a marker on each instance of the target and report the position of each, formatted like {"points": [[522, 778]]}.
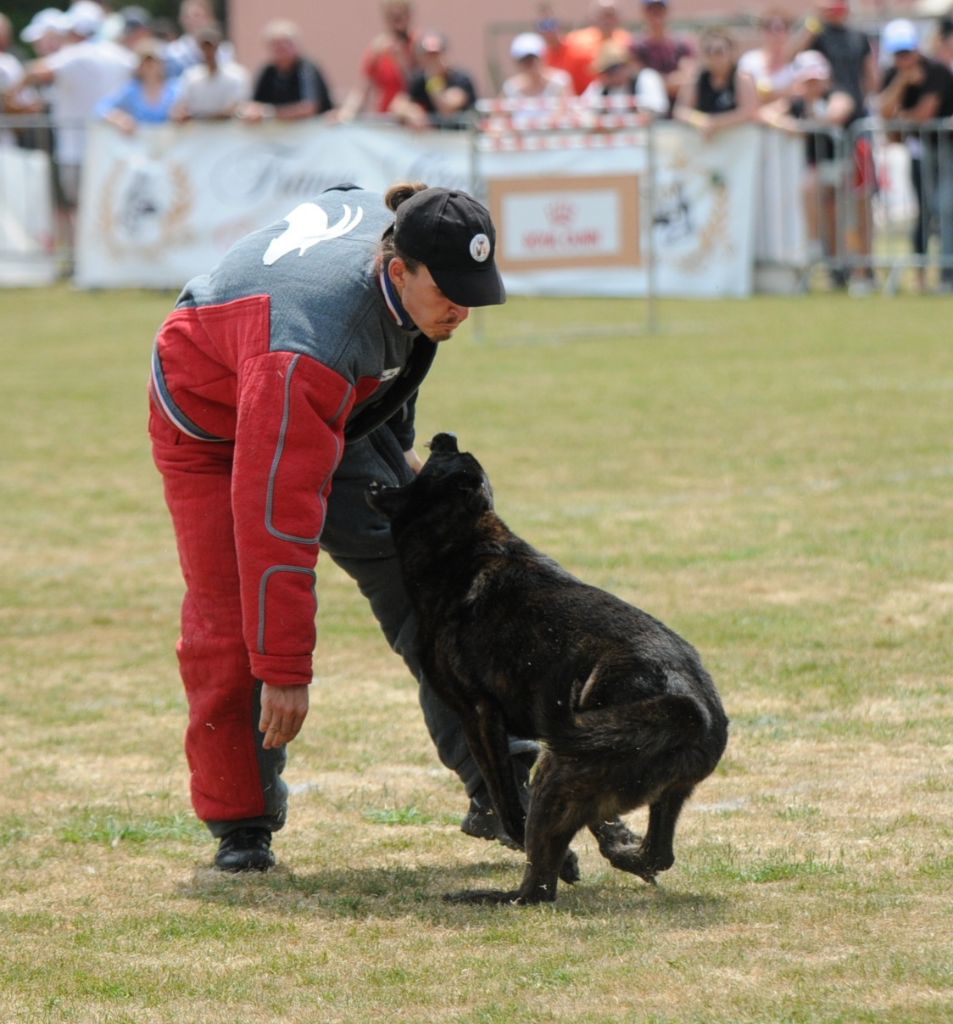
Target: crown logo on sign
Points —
{"points": [[561, 213]]}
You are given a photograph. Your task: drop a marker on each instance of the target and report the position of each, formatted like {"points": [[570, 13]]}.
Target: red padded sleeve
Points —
{"points": [[289, 441]]}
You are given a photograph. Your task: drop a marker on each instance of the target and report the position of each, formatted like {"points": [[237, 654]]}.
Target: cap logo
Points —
{"points": [[480, 248]]}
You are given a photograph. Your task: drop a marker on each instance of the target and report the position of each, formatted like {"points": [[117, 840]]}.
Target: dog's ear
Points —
{"points": [[386, 500], [444, 444]]}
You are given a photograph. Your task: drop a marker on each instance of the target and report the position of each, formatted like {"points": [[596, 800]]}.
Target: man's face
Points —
{"points": [[432, 62], [209, 53], [433, 313], [905, 60], [48, 43], [606, 16], [835, 11], [193, 16], [397, 18], [718, 54], [284, 52], [655, 12]]}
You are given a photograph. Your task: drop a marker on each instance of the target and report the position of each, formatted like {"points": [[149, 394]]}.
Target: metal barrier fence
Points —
{"points": [[877, 205], [36, 240], [911, 207]]}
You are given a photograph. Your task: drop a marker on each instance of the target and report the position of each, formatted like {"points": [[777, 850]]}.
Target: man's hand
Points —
{"points": [[413, 460], [283, 711]]}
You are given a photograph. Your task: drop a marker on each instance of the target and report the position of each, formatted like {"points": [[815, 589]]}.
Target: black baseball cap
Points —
{"points": [[453, 236]]}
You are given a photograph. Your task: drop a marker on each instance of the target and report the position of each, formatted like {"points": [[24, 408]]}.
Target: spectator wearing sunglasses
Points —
{"points": [[769, 65], [720, 96]]}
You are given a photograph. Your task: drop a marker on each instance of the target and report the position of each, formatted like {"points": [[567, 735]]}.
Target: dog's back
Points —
{"points": [[534, 625]]}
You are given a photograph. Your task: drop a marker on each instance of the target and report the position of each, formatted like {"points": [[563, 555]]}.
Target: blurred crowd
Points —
{"points": [[123, 66]]}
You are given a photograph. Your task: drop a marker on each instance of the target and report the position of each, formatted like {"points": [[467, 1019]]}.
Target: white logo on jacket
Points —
{"points": [[307, 226]]}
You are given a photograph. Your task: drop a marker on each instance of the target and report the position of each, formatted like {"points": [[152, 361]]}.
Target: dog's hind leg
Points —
{"points": [[655, 852], [615, 839]]}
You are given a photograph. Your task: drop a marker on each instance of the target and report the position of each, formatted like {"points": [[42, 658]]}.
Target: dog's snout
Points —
{"points": [[445, 443]]}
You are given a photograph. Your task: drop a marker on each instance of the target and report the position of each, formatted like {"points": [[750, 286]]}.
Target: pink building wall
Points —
{"points": [[336, 33]]}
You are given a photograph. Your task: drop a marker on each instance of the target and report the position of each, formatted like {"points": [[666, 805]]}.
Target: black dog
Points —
{"points": [[516, 645]]}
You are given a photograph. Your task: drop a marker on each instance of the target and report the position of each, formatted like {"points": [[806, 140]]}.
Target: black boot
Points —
{"points": [[245, 849]]}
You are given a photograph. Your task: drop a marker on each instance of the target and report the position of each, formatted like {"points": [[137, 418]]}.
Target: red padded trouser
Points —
{"points": [[231, 779]]}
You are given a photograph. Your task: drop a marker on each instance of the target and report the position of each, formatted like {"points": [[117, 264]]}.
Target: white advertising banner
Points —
{"points": [[583, 219], [164, 204], [26, 218]]}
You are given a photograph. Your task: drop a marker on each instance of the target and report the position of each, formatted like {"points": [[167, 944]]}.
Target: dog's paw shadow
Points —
{"points": [[661, 903]]}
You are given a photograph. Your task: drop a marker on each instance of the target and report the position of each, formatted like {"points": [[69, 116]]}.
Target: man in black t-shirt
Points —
{"points": [[289, 87], [437, 94], [853, 67], [919, 90]]}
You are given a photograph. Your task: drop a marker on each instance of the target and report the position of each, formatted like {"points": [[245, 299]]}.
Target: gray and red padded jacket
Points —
{"points": [[293, 345]]}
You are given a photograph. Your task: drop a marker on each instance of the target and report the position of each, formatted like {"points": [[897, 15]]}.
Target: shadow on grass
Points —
{"points": [[418, 891]]}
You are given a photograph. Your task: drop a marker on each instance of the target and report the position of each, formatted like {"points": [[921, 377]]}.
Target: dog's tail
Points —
{"points": [[647, 727]]}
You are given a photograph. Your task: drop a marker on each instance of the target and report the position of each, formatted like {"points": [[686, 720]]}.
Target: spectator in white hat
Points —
{"points": [[854, 71], [533, 79], [920, 90], [82, 73], [85, 19], [46, 31], [819, 110]]}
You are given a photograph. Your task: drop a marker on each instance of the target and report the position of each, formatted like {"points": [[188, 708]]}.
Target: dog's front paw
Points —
{"points": [[569, 872]]}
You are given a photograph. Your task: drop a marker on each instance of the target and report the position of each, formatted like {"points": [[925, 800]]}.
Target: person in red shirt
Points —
{"points": [[388, 63], [553, 33], [584, 44]]}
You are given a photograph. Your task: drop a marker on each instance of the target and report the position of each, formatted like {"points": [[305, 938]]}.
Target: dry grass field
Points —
{"points": [[773, 478]]}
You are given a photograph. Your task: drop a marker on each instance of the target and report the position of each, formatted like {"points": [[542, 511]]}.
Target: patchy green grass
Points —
{"points": [[774, 478]]}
